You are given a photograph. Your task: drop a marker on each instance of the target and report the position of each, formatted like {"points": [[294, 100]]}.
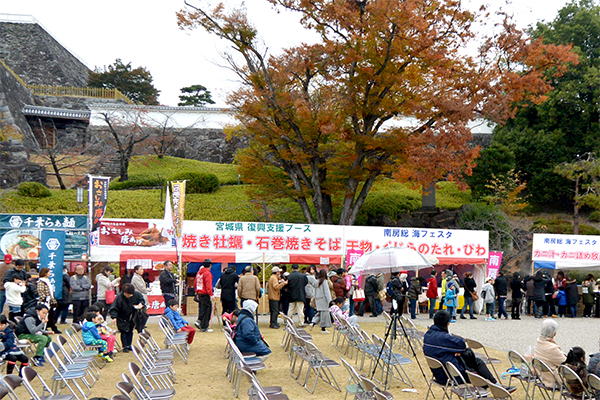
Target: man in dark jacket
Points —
{"points": [[247, 335], [549, 308], [470, 285], [438, 343], [17, 272], [517, 288], [371, 289], [501, 288], [168, 282], [228, 283], [123, 312], [296, 284], [33, 328]]}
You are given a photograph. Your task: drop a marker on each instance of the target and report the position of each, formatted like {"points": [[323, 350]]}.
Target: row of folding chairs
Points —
{"points": [[289, 331], [530, 377], [173, 339], [131, 387], [247, 364], [361, 387], [408, 335]]}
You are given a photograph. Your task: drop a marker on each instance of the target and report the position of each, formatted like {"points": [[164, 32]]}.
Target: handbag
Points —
{"points": [[359, 294], [475, 296], [313, 302], [110, 296]]}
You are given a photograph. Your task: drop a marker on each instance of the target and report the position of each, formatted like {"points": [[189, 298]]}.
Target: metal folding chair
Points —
{"points": [[316, 362], [126, 387], [390, 363], [161, 376], [142, 393], [257, 391], [594, 383], [568, 375], [436, 364], [11, 382], [370, 388], [499, 392], [458, 385], [479, 384], [162, 354], [29, 376], [71, 357], [62, 378], [67, 365], [80, 351], [542, 368], [172, 340], [237, 361], [525, 375], [355, 389], [475, 345], [120, 397]]}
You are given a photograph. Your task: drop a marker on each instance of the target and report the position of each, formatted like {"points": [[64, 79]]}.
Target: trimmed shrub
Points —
{"points": [[381, 204], [561, 226], [198, 182], [33, 189], [136, 182]]}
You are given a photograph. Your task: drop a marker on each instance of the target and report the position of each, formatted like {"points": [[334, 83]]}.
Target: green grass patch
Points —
{"points": [[561, 226]]}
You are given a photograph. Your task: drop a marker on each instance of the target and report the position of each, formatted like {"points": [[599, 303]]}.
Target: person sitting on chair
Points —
{"points": [[8, 349], [33, 328], [247, 335], [180, 324], [438, 343]]}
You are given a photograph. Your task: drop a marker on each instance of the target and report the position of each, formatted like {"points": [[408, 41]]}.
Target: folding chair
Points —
{"points": [[62, 378], [29, 376], [367, 348], [415, 336], [72, 358], [316, 362], [525, 375], [499, 392], [80, 351], [390, 362], [162, 376], [479, 383], [257, 391], [370, 387], [475, 345], [339, 331], [238, 361], [66, 365], [379, 395], [178, 343], [162, 354], [126, 387], [542, 368], [458, 385], [22, 344], [594, 383], [436, 364], [76, 329], [355, 389], [567, 374], [120, 397], [142, 393], [11, 382]]}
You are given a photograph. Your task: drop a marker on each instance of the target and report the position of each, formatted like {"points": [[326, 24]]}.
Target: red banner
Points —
{"points": [[130, 233]]}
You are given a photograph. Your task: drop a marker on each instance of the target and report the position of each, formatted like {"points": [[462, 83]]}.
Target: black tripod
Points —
{"points": [[392, 333]]}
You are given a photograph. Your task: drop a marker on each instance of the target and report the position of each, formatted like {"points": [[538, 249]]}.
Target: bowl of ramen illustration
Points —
{"points": [[21, 244]]}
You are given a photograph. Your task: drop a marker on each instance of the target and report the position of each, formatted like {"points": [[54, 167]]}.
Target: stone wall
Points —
{"points": [[12, 97], [38, 58], [15, 166]]}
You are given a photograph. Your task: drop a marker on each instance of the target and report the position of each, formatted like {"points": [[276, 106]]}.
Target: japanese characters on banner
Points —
{"points": [[352, 256], [20, 234], [156, 305], [52, 257], [458, 245], [565, 251], [178, 207], [494, 262], [98, 196], [325, 242]]}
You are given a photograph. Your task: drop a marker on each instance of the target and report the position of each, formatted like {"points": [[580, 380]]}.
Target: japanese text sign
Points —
{"points": [[98, 197], [566, 250], [178, 207], [494, 263], [52, 257]]}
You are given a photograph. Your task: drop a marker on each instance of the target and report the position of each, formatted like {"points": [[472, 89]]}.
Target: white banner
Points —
{"points": [[565, 251]]}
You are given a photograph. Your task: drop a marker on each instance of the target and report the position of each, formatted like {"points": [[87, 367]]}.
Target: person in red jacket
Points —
{"points": [[432, 292], [204, 291]]}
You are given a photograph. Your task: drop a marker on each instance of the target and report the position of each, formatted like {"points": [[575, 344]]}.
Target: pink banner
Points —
{"points": [[352, 256], [494, 263]]}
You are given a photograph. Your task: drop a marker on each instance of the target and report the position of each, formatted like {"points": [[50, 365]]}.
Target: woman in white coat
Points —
{"points": [[322, 300]]}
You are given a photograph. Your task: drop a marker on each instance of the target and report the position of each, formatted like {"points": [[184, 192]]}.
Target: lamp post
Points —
{"points": [[80, 191]]}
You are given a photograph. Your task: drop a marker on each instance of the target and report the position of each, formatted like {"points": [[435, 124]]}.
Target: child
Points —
{"points": [[576, 361], [336, 308], [180, 324], [8, 350], [561, 298], [450, 300], [489, 298], [91, 337], [14, 299], [105, 332]]}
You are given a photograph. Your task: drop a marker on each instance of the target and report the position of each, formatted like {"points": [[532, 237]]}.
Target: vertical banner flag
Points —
{"points": [[352, 255], [167, 229], [494, 263], [98, 196], [52, 254], [178, 207]]}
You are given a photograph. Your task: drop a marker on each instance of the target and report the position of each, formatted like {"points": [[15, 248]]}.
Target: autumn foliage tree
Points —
{"points": [[323, 118]]}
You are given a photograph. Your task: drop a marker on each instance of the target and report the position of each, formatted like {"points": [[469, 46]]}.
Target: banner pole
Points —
{"points": [[180, 268], [264, 272]]}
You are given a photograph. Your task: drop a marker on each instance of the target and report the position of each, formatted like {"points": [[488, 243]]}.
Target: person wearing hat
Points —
{"points": [[4, 268], [247, 335], [274, 292], [204, 291], [249, 286]]}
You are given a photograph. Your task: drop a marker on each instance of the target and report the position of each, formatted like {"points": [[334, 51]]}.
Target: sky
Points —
{"points": [[146, 34]]}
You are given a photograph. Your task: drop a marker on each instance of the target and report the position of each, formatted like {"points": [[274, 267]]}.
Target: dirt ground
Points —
{"points": [[204, 376]]}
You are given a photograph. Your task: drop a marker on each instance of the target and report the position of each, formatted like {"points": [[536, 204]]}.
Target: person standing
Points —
{"points": [[470, 285], [380, 293], [588, 287], [432, 292], [62, 308], [370, 294], [530, 291], [322, 300], [501, 288], [204, 291], [123, 310], [296, 284], [274, 292], [572, 296], [229, 281], [549, 305], [518, 289], [6, 266], [14, 298], [413, 296], [45, 291], [443, 289], [104, 283], [309, 290], [539, 295], [168, 282], [139, 283], [80, 289], [248, 286], [488, 295]]}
